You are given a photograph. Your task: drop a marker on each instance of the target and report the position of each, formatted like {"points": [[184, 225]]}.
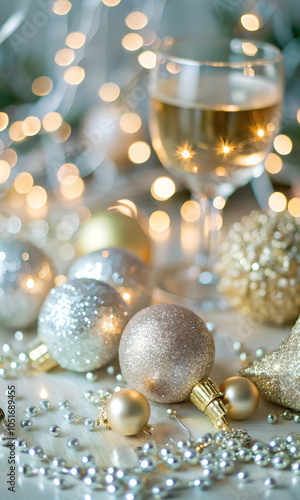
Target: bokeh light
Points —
{"points": [[250, 22], [36, 197], [10, 156], [159, 221], [173, 68], [109, 91], [219, 202], [3, 121], [190, 211], [273, 163], [111, 3], [61, 7], [277, 201], [74, 75], [249, 48], [66, 170], [147, 59], [23, 182], [31, 125], [74, 189], [52, 121], [4, 171], [64, 57], [75, 40], [130, 123], [16, 131], [139, 152], [136, 20], [42, 85], [60, 279], [298, 115], [63, 133], [132, 41], [283, 144], [294, 207], [163, 188]]}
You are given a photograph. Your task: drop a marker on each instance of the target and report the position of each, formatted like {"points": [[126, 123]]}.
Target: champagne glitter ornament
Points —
{"points": [[277, 375], [120, 269], [81, 323], [165, 351], [26, 276], [259, 267]]}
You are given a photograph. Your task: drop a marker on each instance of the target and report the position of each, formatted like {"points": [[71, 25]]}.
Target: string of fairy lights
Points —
{"points": [[142, 42]]}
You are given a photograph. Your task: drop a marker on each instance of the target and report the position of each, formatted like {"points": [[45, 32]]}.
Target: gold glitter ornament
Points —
{"points": [[259, 267], [81, 324], [115, 227], [277, 375], [165, 350]]}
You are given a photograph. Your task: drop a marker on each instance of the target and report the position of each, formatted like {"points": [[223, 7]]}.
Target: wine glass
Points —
{"points": [[215, 107]]}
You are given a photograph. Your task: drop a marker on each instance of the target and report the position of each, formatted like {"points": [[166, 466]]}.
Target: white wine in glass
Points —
{"points": [[215, 107]]}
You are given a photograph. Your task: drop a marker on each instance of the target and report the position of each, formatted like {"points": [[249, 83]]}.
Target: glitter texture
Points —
{"points": [[277, 375], [259, 267], [120, 269], [26, 276], [81, 323], [165, 350]]}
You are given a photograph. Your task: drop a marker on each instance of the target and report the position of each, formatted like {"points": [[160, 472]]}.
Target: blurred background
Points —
{"points": [[74, 141]]}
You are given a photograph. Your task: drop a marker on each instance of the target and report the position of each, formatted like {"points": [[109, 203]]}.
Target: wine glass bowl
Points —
{"points": [[215, 108]]}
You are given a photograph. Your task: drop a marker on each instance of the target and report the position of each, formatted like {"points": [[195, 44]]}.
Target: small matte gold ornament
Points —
{"points": [[240, 397], [167, 352], [116, 227], [127, 412], [277, 375], [259, 267]]}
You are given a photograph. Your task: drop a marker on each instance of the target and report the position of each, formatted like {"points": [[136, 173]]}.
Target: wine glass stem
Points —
{"points": [[210, 222]]}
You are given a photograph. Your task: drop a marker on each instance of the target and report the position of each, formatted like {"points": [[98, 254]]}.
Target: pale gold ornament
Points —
{"points": [[277, 375], [115, 227], [127, 412], [240, 397], [259, 267]]}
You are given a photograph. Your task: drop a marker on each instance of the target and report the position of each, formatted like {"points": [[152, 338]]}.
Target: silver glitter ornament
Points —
{"points": [[26, 276], [81, 323], [120, 269], [259, 267], [165, 350]]}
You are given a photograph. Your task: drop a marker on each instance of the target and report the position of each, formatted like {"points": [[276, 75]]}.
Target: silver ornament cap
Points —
{"points": [[120, 269], [81, 324], [165, 350]]}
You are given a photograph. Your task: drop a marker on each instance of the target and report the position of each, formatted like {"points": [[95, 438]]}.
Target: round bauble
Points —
{"points": [[112, 228], [127, 412], [165, 350], [240, 397], [120, 269], [26, 276], [259, 267], [81, 323]]}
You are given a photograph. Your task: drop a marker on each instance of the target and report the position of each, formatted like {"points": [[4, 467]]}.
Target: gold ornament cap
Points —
{"points": [[40, 357], [207, 396]]}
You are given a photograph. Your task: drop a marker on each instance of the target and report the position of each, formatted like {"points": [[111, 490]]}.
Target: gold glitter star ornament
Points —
{"points": [[277, 375]]}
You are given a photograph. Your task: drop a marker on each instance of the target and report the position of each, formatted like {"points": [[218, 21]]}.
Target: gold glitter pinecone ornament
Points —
{"points": [[259, 267], [277, 375]]}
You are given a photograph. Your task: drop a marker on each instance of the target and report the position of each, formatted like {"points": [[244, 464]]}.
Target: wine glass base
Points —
{"points": [[191, 285]]}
